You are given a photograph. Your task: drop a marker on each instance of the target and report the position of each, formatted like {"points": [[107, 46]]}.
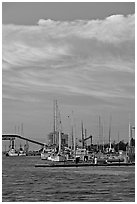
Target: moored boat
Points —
{"points": [[45, 153], [12, 153], [21, 153], [57, 158], [82, 164]]}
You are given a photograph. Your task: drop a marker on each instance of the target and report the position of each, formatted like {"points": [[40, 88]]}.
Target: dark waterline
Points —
{"points": [[22, 182]]}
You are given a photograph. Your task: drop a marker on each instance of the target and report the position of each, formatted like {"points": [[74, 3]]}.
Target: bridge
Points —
{"points": [[12, 137]]}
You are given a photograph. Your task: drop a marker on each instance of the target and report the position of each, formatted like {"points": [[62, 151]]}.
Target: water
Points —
{"points": [[22, 182]]}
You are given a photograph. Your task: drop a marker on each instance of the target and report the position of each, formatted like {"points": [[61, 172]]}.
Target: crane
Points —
{"points": [[83, 140]]}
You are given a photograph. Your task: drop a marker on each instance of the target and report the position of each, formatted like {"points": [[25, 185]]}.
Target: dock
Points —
{"points": [[65, 164]]}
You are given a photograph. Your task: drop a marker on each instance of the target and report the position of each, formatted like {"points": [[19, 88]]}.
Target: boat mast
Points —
{"points": [[129, 130], [110, 134], [99, 132], [129, 133], [18, 129], [72, 142], [74, 137], [118, 141], [85, 143], [58, 124], [103, 137], [59, 141], [54, 122], [82, 134], [21, 129], [69, 133], [15, 130]]}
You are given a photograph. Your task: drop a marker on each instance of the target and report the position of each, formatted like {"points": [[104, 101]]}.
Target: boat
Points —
{"points": [[21, 153], [57, 158], [55, 155], [45, 153], [12, 153], [81, 154]]}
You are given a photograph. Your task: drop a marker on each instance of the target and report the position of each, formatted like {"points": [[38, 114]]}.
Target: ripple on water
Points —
{"points": [[22, 182]]}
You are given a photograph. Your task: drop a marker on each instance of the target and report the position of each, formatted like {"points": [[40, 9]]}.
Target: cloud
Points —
{"points": [[83, 57], [114, 29]]}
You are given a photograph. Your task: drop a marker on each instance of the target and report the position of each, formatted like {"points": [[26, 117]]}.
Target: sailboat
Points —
{"points": [[59, 156], [45, 153], [55, 155], [21, 152], [12, 152]]}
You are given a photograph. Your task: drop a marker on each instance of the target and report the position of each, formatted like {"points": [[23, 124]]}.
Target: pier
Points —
{"points": [[13, 136], [67, 164]]}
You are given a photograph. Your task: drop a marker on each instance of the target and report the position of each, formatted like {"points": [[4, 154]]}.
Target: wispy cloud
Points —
{"points": [[90, 57]]}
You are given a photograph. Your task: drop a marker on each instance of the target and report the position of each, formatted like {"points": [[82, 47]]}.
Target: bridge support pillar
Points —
{"points": [[12, 143]]}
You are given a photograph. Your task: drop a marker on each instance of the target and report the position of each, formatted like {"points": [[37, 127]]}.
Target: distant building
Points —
{"points": [[64, 139], [50, 138]]}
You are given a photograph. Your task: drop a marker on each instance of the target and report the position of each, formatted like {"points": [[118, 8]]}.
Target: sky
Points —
{"points": [[80, 54]]}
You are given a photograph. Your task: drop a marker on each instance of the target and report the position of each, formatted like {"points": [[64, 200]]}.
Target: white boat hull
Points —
{"points": [[44, 156], [12, 153], [56, 158], [22, 154]]}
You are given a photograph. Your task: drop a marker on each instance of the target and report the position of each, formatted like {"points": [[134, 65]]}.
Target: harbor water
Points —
{"points": [[23, 182]]}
